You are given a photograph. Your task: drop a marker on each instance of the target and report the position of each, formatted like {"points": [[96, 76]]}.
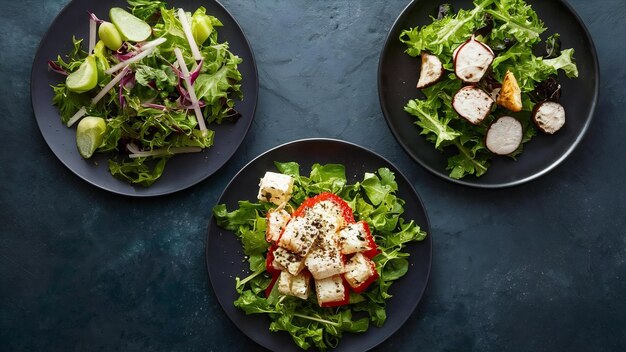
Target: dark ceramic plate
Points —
{"points": [[398, 73], [182, 171], [225, 260]]}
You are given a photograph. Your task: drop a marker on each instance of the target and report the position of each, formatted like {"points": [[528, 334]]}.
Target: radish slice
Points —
{"points": [[472, 103], [430, 72], [504, 136], [80, 113], [549, 116], [190, 90], [472, 60], [182, 16]]}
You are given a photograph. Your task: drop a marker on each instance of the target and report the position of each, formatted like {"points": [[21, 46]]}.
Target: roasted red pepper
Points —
{"points": [[373, 251], [346, 211], [269, 288], [269, 259]]}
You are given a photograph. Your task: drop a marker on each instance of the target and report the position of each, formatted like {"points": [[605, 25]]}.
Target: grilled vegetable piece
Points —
{"points": [[549, 116], [510, 96], [276, 222], [360, 272], [504, 135], [332, 292], [294, 285], [472, 103], [275, 188], [472, 59], [431, 71]]}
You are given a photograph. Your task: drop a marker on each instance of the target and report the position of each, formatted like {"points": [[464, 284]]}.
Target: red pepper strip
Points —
{"points": [[344, 301], [269, 260], [269, 288], [365, 284], [346, 211], [373, 251]]}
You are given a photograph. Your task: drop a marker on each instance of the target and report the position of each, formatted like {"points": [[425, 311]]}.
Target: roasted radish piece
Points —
{"points": [[504, 135], [472, 103], [549, 116], [471, 60], [430, 72], [510, 96]]}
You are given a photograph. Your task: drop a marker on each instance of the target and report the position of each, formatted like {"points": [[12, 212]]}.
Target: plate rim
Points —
{"points": [[551, 166], [255, 91], [427, 226]]}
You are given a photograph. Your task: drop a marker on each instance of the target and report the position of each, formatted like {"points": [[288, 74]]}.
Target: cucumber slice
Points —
{"points": [[130, 27]]}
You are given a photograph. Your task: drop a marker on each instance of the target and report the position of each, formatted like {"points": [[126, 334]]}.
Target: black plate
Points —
{"points": [[398, 73], [182, 171], [225, 258]]}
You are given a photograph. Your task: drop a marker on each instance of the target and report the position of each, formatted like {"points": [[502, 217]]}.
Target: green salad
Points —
{"points": [[146, 85], [502, 38], [373, 201]]}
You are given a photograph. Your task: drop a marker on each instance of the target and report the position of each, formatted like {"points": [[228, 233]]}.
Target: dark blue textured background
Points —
{"points": [[539, 267]]}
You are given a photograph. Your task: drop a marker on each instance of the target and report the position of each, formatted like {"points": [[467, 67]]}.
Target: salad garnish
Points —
{"points": [[323, 253], [157, 77], [481, 81]]}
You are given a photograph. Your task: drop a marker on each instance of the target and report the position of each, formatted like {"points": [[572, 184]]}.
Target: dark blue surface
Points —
{"points": [[538, 267]]}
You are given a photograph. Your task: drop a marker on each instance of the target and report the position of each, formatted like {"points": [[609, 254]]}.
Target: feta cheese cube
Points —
{"points": [[354, 238], [359, 269], [276, 222], [275, 188], [325, 259], [329, 290], [299, 236], [294, 285], [288, 260]]}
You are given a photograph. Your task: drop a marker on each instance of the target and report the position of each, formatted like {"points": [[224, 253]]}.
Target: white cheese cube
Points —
{"points": [[275, 188], [358, 269], [325, 259], [288, 260], [330, 289], [299, 236], [353, 239], [294, 285], [276, 221]]}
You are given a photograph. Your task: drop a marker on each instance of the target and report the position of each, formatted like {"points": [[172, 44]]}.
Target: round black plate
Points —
{"points": [[182, 171], [225, 258], [398, 73]]}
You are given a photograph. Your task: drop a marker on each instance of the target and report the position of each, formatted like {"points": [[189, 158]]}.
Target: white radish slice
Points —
{"points": [[549, 116], [472, 103], [504, 135], [472, 60], [190, 90], [182, 17], [431, 71]]}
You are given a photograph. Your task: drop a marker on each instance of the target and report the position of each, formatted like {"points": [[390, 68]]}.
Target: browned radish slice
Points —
{"points": [[471, 60], [510, 96], [430, 72], [504, 135], [472, 103], [549, 116]]}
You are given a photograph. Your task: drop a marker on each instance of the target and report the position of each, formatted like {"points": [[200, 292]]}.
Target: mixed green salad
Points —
{"points": [[511, 32], [146, 86], [372, 200]]}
